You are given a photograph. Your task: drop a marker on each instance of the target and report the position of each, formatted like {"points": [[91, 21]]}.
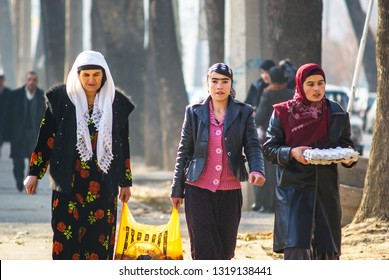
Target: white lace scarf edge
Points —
{"points": [[84, 146]]}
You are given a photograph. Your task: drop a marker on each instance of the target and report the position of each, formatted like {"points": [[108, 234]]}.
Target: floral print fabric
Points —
{"points": [[84, 221]]}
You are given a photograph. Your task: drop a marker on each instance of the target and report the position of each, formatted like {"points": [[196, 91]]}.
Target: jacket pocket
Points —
{"points": [[193, 169]]}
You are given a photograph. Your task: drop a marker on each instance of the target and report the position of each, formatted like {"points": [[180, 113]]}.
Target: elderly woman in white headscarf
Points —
{"points": [[84, 138]]}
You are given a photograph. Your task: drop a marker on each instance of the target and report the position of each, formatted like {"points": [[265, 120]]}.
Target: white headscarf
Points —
{"points": [[102, 110]]}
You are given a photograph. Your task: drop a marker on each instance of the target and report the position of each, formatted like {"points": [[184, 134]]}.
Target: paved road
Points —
{"points": [[19, 207]]}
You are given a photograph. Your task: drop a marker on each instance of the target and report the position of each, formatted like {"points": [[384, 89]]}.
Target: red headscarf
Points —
{"points": [[305, 123]]}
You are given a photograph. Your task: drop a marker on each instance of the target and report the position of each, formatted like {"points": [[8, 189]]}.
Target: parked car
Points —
{"points": [[363, 105], [339, 94], [370, 117]]}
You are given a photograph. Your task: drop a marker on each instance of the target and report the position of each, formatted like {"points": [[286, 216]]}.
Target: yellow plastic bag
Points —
{"points": [[148, 242]]}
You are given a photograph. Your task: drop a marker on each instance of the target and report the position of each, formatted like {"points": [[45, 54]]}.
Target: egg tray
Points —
{"points": [[330, 156]]}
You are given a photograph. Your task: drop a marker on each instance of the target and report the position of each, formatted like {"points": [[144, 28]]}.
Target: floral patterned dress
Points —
{"points": [[84, 221]]}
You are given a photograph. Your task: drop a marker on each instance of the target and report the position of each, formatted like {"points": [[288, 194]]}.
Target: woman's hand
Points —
{"points": [[124, 194], [348, 163], [297, 154], [176, 201], [256, 179], [30, 184]]}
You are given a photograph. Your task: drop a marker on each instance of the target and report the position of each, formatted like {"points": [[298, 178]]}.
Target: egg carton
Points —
{"points": [[330, 156]]}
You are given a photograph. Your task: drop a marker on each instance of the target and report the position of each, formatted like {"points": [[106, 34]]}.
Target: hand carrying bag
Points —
{"points": [[137, 241]]}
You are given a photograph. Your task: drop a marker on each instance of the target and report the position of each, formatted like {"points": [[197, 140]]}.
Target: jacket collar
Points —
{"points": [[231, 114], [202, 111]]}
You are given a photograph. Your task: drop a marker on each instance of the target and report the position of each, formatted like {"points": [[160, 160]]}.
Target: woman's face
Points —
{"points": [[219, 86], [91, 80], [314, 88]]}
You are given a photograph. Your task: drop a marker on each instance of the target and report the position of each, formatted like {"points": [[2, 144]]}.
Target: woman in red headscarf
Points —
{"points": [[307, 204]]}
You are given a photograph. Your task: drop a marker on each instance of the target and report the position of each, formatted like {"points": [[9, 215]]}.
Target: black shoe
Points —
{"points": [[255, 208]]}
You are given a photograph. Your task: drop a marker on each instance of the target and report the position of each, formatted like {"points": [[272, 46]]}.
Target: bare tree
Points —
{"points": [[295, 30], [214, 10], [39, 59], [122, 27], [22, 36], [152, 121], [98, 42], [358, 16], [169, 77], [73, 34], [53, 24], [375, 198]]}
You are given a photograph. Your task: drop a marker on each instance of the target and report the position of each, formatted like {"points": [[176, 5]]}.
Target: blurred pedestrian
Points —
{"points": [[307, 204], [290, 72], [210, 166], [4, 105], [254, 98], [274, 93], [84, 137], [256, 88], [27, 107]]}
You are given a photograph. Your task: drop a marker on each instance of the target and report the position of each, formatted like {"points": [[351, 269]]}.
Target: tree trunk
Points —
{"points": [[358, 16], [74, 34], [98, 42], [53, 23], [23, 40], [214, 10], [375, 198], [152, 121], [295, 30], [170, 80], [7, 54], [123, 31], [39, 60]]}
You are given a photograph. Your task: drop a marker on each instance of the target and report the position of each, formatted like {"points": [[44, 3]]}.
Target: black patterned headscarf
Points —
{"points": [[223, 69]]}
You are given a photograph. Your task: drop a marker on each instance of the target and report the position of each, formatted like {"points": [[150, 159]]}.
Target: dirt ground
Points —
{"points": [[366, 241], [27, 241]]}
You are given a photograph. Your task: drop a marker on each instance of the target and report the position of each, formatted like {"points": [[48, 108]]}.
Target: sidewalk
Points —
{"points": [[25, 232]]}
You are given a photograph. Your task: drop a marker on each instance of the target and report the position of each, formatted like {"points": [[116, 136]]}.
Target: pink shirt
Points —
{"points": [[216, 174]]}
